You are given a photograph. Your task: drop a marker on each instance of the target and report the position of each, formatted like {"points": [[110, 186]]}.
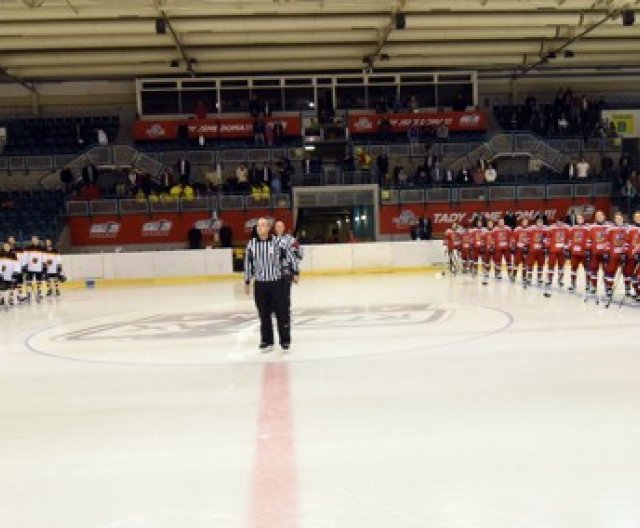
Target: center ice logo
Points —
{"points": [[212, 324]]}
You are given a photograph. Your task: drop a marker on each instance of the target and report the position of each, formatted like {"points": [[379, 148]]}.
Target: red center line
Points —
{"points": [[274, 499]]}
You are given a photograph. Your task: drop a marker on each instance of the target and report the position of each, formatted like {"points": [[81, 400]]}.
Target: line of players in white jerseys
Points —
{"points": [[610, 247], [29, 272]]}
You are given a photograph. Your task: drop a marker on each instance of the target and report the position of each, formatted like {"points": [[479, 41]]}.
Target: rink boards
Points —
{"points": [[218, 263]]}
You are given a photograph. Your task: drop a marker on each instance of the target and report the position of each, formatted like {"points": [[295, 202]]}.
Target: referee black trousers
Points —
{"points": [[271, 297]]}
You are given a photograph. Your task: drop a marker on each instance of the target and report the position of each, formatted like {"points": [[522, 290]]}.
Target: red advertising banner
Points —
{"points": [[367, 123], [165, 228], [395, 220], [222, 128]]}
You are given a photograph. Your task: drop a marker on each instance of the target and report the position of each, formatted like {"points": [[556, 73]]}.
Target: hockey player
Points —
{"points": [[9, 269], [615, 253], [19, 283], [577, 250], [35, 269], [453, 243], [489, 250], [478, 244], [53, 269], [465, 249], [632, 265], [502, 237], [596, 248], [557, 239], [520, 250], [537, 240]]}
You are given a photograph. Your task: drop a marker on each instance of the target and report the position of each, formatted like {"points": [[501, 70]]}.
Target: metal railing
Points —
{"points": [[489, 193], [125, 206]]}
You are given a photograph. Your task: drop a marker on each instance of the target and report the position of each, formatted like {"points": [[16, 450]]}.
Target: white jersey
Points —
{"points": [[9, 266], [52, 262], [35, 258], [289, 242]]}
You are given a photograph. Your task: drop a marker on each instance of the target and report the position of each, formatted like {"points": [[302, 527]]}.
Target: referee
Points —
{"points": [[265, 258]]}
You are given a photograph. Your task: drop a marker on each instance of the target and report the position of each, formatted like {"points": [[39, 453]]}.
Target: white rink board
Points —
{"points": [[218, 262]]}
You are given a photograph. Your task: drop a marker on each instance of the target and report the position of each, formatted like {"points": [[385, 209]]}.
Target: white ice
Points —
{"points": [[415, 400]]}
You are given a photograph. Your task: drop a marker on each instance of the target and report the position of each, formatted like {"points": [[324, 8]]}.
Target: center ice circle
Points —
{"points": [[208, 337]]}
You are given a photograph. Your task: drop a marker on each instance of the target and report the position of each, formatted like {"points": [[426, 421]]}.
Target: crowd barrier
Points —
{"points": [[326, 258]]}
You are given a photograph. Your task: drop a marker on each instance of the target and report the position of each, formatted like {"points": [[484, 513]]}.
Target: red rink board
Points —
{"points": [[162, 227], [396, 219]]}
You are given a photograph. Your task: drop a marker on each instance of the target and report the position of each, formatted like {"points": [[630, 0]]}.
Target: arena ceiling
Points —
{"points": [[65, 39]]}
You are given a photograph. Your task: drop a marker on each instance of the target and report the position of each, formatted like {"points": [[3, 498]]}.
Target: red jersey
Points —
{"points": [[597, 240], [557, 238], [480, 238], [520, 238], [633, 240], [452, 239], [617, 240], [490, 238], [502, 236], [578, 239], [466, 239], [537, 236]]}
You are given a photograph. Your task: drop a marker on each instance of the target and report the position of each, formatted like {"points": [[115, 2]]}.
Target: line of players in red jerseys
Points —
{"points": [[601, 245], [27, 272]]}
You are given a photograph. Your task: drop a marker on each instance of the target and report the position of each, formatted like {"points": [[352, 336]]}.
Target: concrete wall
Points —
{"points": [[382, 256]]}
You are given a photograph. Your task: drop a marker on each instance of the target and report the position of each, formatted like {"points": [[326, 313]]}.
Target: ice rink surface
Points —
{"points": [[409, 400]]}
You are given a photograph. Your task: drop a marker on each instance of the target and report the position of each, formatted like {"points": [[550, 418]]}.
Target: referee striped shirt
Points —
{"points": [[265, 259]]}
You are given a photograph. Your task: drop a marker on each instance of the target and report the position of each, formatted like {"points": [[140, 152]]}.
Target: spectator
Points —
{"points": [[464, 178], [413, 105], [90, 174], [242, 173], [259, 132], [200, 109], [381, 106], [66, 178], [242, 178], [385, 130], [425, 227], [611, 131], [510, 219], [582, 169], [265, 174], [276, 184], [278, 132], [478, 174], [101, 137], [226, 236], [436, 172], [269, 134], [255, 107], [183, 168], [490, 174], [570, 170], [459, 104], [232, 183], [413, 132], [194, 237], [442, 132], [563, 125]]}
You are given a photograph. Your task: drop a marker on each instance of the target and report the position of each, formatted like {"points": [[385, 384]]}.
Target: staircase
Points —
{"points": [[513, 145]]}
